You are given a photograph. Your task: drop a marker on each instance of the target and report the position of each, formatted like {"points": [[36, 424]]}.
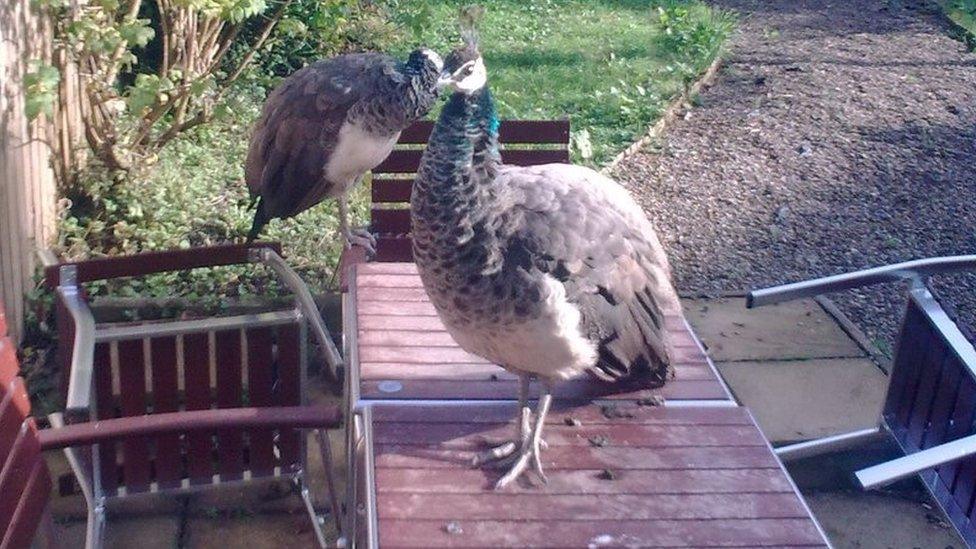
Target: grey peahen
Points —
{"points": [[549, 271], [328, 124]]}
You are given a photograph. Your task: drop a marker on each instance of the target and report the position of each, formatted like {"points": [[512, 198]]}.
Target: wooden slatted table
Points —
{"points": [[630, 476], [401, 350]]}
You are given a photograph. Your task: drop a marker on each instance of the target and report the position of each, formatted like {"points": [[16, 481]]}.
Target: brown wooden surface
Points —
{"points": [[230, 442], [155, 262], [199, 396], [260, 382], [132, 381], [682, 477], [25, 484], [400, 338], [509, 131], [165, 392], [288, 390]]}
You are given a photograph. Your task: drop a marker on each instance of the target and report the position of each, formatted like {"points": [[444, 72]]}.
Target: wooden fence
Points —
{"points": [[28, 194]]}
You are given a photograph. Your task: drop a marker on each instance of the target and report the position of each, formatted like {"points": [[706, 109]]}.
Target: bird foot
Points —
{"points": [[360, 236], [529, 454]]}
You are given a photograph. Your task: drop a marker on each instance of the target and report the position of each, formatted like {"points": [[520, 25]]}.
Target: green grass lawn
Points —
{"points": [[610, 66], [602, 64]]}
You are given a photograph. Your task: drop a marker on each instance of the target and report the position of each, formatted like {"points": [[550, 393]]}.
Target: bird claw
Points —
{"points": [[529, 453], [360, 236], [498, 453]]}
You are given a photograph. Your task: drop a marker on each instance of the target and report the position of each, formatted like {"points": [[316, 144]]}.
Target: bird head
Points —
{"points": [[464, 69], [425, 60]]}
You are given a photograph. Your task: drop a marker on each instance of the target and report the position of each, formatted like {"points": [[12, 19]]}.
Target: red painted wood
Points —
{"points": [[502, 506], [199, 396], [408, 160], [390, 268], [391, 190], [288, 391], [619, 414], [471, 435], [166, 398], [390, 221], [260, 383], [394, 294], [393, 248], [3, 324], [132, 395], [506, 390], [510, 131], [14, 409], [411, 456], [583, 533], [963, 415], [230, 442], [943, 401], [434, 324], [9, 367], [934, 358], [27, 516], [916, 335], [15, 472], [155, 262], [486, 372], [107, 407], [587, 482]]}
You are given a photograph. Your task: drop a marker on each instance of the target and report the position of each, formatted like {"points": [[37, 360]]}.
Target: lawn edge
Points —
{"points": [[675, 107]]}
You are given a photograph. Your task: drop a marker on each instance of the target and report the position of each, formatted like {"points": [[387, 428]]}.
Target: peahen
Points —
{"points": [[548, 271], [328, 124]]}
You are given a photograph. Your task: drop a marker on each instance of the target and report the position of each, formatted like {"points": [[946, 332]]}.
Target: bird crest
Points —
{"points": [[468, 19]]}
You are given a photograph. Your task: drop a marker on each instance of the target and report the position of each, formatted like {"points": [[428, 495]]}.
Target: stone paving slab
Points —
{"points": [[795, 330], [802, 399], [259, 531], [142, 532], [872, 520]]}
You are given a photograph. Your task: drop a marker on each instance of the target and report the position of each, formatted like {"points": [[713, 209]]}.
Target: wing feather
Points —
{"points": [[586, 231]]}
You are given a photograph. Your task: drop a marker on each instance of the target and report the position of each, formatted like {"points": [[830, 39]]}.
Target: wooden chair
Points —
{"points": [[25, 482], [523, 143], [148, 373], [930, 406]]}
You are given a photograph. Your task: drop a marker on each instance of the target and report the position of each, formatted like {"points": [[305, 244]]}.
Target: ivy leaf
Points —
{"points": [[137, 33], [41, 86]]}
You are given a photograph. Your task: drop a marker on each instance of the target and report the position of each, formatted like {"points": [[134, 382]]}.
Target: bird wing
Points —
{"points": [[585, 230], [291, 142]]}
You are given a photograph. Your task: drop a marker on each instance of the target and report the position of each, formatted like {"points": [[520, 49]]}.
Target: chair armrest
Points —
{"points": [[81, 434], [351, 257], [157, 262], [909, 270], [896, 469]]}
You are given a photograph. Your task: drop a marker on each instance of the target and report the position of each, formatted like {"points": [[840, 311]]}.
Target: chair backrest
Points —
{"points": [[25, 484], [259, 366], [932, 399], [524, 143], [147, 368]]}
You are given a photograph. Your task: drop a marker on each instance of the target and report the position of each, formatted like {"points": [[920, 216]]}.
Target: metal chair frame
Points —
{"points": [[81, 401], [930, 441]]}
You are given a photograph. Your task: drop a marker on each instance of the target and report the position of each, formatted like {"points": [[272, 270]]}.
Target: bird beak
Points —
{"points": [[446, 79]]}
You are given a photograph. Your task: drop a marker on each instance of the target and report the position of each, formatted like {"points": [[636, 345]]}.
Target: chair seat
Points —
{"points": [[659, 476], [402, 351]]}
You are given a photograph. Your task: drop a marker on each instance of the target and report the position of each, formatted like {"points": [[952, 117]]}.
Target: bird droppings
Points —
{"points": [[599, 441], [572, 421], [612, 411], [653, 400], [453, 528], [607, 474], [600, 541]]}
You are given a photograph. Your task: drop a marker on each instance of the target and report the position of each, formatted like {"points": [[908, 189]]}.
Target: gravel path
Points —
{"points": [[838, 136]]}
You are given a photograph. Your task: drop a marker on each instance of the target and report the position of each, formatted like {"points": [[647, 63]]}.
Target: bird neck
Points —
{"points": [[461, 158], [418, 92]]}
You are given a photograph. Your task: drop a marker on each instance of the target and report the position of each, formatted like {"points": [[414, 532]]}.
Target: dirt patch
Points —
{"points": [[838, 136]]}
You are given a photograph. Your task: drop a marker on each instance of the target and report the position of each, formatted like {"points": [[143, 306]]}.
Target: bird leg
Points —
{"points": [[360, 236], [522, 429], [532, 451]]}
